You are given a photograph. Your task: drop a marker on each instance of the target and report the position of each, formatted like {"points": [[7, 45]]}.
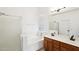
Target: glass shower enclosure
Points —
{"points": [[10, 31]]}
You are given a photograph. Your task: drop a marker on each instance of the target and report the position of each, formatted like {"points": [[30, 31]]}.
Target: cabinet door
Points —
{"points": [[65, 47], [50, 45], [56, 46], [45, 44]]}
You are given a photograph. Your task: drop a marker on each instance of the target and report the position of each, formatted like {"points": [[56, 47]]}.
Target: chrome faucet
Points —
{"points": [[72, 38]]}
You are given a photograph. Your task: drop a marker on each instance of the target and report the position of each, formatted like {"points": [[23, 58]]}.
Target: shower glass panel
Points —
{"points": [[10, 31]]}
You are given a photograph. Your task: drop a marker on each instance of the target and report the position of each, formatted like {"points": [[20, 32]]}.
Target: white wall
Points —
{"points": [[39, 18], [68, 20], [43, 22], [30, 24], [31, 29]]}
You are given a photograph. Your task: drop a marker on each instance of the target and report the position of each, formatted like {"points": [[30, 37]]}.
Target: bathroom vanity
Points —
{"points": [[60, 43]]}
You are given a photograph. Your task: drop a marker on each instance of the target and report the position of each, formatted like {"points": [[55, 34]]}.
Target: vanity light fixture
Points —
{"points": [[57, 9]]}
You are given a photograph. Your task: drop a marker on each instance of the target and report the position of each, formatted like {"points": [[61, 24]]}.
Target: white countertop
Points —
{"points": [[65, 39]]}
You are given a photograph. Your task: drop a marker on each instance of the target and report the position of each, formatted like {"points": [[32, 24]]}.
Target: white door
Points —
{"points": [[10, 30]]}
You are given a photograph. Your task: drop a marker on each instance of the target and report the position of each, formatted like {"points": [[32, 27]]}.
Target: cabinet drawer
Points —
{"points": [[47, 38]]}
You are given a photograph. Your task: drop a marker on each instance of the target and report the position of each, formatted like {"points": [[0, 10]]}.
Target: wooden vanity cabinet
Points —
{"points": [[48, 44], [65, 47], [68, 47], [75, 48], [54, 45]]}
